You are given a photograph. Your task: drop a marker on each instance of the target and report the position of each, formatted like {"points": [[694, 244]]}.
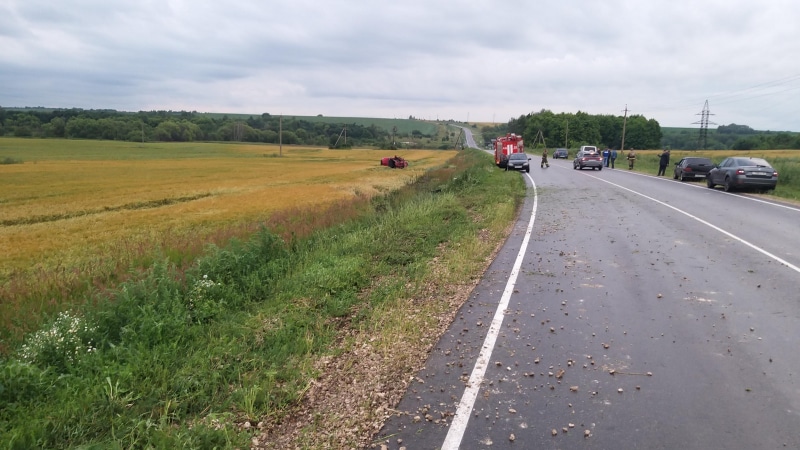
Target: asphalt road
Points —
{"points": [[625, 311]]}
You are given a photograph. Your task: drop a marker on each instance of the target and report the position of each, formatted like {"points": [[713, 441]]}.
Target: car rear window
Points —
{"points": [[752, 162], [699, 161]]}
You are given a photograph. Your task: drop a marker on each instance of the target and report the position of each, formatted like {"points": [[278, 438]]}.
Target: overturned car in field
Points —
{"points": [[395, 162]]}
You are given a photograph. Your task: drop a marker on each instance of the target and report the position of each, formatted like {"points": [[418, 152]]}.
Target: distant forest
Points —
{"points": [[572, 130], [559, 130], [170, 126]]}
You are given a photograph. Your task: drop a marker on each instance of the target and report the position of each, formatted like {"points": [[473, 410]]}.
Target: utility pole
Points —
{"points": [[624, 124], [703, 138], [566, 137]]}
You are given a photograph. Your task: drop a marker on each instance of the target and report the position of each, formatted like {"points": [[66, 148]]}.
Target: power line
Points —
{"points": [[703, 139]]}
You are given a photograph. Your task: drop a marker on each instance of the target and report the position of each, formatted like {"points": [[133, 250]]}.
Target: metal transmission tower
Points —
{"points": [[703, 140]]}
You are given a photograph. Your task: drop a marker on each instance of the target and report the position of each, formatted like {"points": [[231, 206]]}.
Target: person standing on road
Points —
{"points": [[631, 158], [544, 159], [606, 156], [663, 162], [613, 157]]}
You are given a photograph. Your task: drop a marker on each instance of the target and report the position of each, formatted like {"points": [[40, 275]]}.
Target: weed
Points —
{"points": [[61, 344]]}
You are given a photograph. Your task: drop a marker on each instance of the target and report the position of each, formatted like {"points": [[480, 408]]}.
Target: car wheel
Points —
{"points": [[674, 176], [600, 168], [528, 170], [680, 177], [709, 183], [727, 185]]}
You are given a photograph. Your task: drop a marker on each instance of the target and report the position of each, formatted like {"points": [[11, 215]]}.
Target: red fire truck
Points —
{"points": [[504, 146]]}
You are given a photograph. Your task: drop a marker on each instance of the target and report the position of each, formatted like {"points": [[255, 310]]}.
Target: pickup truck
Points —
{"points": [[692, 168]]}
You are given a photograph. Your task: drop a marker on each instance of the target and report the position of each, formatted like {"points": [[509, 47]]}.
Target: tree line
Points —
{"points": [[571, 130], [183, 126]]}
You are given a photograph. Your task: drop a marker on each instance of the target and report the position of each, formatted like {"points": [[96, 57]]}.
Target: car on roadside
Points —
{"points": [[518, 161], [560, 153], [742, 172], [588, 156], [692, 168]]}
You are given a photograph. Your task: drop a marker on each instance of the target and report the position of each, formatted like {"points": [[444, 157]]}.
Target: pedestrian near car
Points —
{"points": [[606, 156], [544, 159], [613, 156], [663, 162], [631, 158]]}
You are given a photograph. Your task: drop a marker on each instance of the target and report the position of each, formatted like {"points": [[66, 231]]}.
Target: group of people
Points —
{"points": [[610, 155]]}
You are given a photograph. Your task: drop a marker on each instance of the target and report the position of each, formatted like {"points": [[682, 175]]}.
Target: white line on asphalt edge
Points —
{"points": [[708, 224], [744, 197], [459, 423]]}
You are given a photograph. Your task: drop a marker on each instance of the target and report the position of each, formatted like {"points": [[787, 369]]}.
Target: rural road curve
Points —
{"points": [[624, 311]]}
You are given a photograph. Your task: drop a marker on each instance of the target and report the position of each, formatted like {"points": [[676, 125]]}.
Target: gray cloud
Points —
{"points": [[486, 60]]}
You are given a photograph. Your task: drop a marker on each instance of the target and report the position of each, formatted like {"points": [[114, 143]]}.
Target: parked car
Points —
{"points": [[741, 172], [692, 168], [588, 156], [561, 153], [518, 161]]}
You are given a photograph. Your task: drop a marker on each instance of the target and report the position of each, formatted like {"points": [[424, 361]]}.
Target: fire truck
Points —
{"points": [[504, 146]]}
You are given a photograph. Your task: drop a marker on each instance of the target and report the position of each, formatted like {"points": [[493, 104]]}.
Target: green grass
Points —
{"points": [[178, 359]]}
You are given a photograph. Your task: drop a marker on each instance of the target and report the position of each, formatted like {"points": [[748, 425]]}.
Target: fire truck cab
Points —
{"points": [[505, 146]]}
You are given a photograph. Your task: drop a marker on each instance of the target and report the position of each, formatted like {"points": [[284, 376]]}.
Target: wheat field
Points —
{"points": [[73, 209]]}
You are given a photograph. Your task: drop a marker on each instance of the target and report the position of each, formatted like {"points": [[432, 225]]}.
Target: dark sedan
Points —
{"points": [[740, 172], [519, 161], [561, 153]]}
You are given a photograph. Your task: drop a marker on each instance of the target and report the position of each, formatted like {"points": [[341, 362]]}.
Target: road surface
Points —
{"points": [[625, 311]]}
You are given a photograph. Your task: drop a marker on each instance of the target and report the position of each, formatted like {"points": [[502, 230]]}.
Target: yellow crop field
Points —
{"points": [[76, 206]]}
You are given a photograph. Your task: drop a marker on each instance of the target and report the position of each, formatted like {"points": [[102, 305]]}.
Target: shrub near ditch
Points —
{"points": [[167, 375]]}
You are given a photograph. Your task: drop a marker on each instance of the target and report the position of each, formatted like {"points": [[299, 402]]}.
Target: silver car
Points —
{"points": [[588, 158], [741, 172]]}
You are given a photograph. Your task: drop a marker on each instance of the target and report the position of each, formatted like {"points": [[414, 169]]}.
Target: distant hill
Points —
{"points": [[728, 137]]}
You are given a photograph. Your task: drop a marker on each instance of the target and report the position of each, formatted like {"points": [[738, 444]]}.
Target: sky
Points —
{"points": [[476, 61]]}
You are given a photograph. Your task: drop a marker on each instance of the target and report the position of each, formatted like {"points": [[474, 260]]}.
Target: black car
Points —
{"points": [[519, 161], [560, 153], [741, 172], [692, 168]]}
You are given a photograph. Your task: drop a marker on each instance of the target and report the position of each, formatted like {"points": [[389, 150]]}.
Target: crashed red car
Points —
{"points": [[395, 162]]}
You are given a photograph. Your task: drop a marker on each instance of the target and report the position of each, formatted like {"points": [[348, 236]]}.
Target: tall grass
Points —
{"points": [[193, 357]]}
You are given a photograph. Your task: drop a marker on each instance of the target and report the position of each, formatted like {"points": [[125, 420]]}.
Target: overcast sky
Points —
{"points": [[433, 59]]}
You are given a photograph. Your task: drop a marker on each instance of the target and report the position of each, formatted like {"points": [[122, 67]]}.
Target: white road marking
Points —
{"points": [[704, 187], [459, 423], [708, 224]]}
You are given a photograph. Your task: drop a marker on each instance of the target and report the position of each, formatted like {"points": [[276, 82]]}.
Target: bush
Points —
{"points": [[61, 344]]}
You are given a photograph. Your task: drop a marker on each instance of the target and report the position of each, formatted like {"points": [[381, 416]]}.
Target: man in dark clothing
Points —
{"points": [[613, 156], [663, 162]]}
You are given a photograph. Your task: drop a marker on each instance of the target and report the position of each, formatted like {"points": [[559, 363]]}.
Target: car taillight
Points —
{"points": [[775, 174], [740, 172], [687, 169]]}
